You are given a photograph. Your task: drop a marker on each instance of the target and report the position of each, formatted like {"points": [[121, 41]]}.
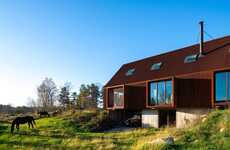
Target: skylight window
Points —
{"points": [[130, 72], [191, 58], [156, 66]]}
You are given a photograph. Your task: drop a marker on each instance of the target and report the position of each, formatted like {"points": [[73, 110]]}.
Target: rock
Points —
{"points": [[203, 120], [222, 129], [169, 140]]}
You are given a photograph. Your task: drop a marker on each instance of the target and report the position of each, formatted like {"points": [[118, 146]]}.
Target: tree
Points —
{"points": [[64, 96], [94, 95], [89, 96], [101, 97], [82, 97], [74, 98], [31, 103], [47, 93]]}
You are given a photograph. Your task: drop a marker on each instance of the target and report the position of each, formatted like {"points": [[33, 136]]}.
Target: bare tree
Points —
{"points": [[47, 93], [31, 102]]}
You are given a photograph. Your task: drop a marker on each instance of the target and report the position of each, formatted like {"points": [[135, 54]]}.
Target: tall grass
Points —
{"points": [[74, 131], [67, 132]]}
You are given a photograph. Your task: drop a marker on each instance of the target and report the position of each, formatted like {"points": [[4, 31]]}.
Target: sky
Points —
{"points": [[86, 41]]}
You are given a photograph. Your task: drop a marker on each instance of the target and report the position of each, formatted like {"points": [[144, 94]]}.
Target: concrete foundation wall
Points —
{"points": [[187, 116], [150, 118]]}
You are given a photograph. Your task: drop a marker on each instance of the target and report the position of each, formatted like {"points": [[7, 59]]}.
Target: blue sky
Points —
{"points": [[85, 41]]}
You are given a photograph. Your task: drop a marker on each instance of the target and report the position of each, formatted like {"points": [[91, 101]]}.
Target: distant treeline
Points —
{"points": [[8, 109], [51, 98]]}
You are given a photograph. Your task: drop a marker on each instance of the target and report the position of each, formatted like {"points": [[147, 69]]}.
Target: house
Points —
{"points": [[172, 88]]}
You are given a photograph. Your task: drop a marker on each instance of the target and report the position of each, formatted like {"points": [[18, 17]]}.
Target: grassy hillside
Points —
{"points": [[66, 132], [212, 132], [74, 132]]}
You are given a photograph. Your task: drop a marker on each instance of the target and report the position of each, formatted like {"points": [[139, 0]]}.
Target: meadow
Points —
{"points": [[72, 131]]}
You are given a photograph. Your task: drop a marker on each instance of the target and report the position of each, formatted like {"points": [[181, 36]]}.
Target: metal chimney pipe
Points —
{"points": [[201, 38]]}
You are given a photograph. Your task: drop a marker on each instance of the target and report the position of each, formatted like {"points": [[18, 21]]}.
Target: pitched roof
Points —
{"points": [[173, 63]]}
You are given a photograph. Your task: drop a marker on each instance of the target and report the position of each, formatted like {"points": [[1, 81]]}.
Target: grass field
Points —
{"points": [[61, 133]]}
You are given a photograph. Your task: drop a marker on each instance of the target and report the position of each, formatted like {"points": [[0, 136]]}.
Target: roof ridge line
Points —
{"points": [[179, 49]]}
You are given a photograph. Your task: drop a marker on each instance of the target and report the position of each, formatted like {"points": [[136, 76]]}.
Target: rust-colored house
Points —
{"points": [[174, 87]]}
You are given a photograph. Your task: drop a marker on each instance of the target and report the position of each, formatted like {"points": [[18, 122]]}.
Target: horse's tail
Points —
{"points": [[12, 126]]}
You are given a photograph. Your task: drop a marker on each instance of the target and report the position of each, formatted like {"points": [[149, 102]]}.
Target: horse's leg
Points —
{"points": [[29, 124], [12, 127], [32, 124], [17, 126]]}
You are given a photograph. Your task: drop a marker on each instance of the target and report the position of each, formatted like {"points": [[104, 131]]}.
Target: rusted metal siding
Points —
{"points": [[104, 98], [194, 90], [135, 97]]}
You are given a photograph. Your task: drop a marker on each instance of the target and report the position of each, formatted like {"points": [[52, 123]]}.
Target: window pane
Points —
{"points": [[168, 99], [221, 86], [118, 97], [191, 58], [156, 66], [229, 86], [153, 93], [130, 72], [161, 91]]}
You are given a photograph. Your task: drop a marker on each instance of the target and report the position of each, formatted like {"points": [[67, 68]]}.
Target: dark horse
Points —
{"points": [[43, 113], [22, 120]]}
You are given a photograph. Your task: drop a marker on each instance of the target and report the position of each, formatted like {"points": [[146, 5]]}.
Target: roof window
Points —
{"points": [[130, 72], [191, 58], [156, 66]]}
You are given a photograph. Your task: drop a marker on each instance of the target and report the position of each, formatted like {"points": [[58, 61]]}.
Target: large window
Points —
{"points": [[222, 83], [116, 97], [160, 92]]}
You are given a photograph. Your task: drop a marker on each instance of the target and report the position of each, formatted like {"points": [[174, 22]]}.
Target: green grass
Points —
{"points": [[213, 133], [72, 131], [62, 133]]}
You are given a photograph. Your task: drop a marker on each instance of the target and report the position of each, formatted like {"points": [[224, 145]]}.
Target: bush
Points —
{"points": [[90, 120]]}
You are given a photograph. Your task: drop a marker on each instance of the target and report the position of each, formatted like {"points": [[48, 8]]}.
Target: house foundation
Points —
{"points": [[150, 118], [181, 118], [188, 116], [158, 118]]}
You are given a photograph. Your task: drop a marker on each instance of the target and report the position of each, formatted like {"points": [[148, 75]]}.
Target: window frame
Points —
{"points": [[111, 89], [116, 92], [149, 104], [227, 82]]}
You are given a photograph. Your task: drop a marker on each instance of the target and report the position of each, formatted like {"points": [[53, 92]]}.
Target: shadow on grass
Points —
{"points": [[3, 127]]}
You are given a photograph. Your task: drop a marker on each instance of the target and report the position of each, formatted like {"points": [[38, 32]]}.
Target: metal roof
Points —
{"points": [[216, 55]]}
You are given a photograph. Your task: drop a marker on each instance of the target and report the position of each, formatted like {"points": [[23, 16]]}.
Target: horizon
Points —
{"points": [[85, 42]]}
